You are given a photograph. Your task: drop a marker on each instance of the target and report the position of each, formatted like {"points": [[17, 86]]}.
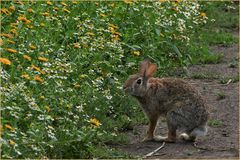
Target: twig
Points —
{"points": [[153, 152]]}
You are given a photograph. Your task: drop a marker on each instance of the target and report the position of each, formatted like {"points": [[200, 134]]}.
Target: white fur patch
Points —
{"points": [[200, 131], [184, 136]]}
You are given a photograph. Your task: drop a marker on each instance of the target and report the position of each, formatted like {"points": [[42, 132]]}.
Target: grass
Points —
{"points": [[215, 123], [233, 63], [227, 80], [211, 58], [220, 38], [223, 19], [225, 16], [220, 96]]}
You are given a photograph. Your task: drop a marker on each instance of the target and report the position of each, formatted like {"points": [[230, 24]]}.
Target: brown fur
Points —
{"points": [[175, 99]]}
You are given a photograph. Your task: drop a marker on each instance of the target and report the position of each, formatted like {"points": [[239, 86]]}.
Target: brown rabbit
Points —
{"points": [[181, 104]]}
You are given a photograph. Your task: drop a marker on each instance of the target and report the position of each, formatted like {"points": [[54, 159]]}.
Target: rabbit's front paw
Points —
{"points": [[159, 138], [147, 139], [164, 139]]}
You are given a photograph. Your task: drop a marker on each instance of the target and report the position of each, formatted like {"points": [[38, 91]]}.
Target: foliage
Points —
{"points": [[63, 64], [215, 123], [223, 17]]}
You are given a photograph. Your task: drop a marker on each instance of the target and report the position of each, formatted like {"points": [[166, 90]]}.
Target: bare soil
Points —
{"points": [[222, 140]]}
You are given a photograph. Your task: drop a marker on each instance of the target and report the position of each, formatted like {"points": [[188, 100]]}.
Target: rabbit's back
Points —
{"points": [[178, 100], [173, 91]]}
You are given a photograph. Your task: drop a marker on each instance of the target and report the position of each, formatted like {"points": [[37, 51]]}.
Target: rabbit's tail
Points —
{"points": [[199, 131], [196, 132]]}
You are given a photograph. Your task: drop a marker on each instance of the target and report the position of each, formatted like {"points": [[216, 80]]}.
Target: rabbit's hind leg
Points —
{"points": [[171, 138], [187, 137], [171, 134], [196, 132]]}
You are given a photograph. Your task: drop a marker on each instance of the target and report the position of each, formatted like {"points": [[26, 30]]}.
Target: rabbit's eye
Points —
{"points": [[139, 81]]}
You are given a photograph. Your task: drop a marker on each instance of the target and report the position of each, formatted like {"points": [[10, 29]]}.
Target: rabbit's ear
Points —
{"points": [[152, 68], [144, 66]]}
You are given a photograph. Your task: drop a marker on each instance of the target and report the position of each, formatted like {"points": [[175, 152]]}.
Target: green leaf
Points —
{"points": [[176, 50], [157, 31]]}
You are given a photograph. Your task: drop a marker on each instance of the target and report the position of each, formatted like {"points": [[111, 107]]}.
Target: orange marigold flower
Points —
{"points": [[30, 26], [30, 10], [42, 59], [175, 9], [32, 47], [178, 1], [6, 35], [24, 19], [90, 34], [116, 33], [74, 2], [19, 2], [64, 4], [76, 45], [66, 10], [45, 14], [38, 69], [113, 26], [38, 79], [202, 14], [35, 67], [115, 37], [12, 143], [77, 85], [14, 31], [10, 41], [49, 3], [8, 126], [12, 8], [5, 61], [11, 50], [111, 29], [95, 122], [1, 42], [128, 1], [27, 57], [26, 76], [5, 11], [136, 53]]}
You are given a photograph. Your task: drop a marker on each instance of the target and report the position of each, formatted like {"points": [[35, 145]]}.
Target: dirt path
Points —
{"points": [[221, 90]]}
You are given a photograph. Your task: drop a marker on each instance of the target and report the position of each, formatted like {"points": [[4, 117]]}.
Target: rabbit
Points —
{"points": [[173, 98]]}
